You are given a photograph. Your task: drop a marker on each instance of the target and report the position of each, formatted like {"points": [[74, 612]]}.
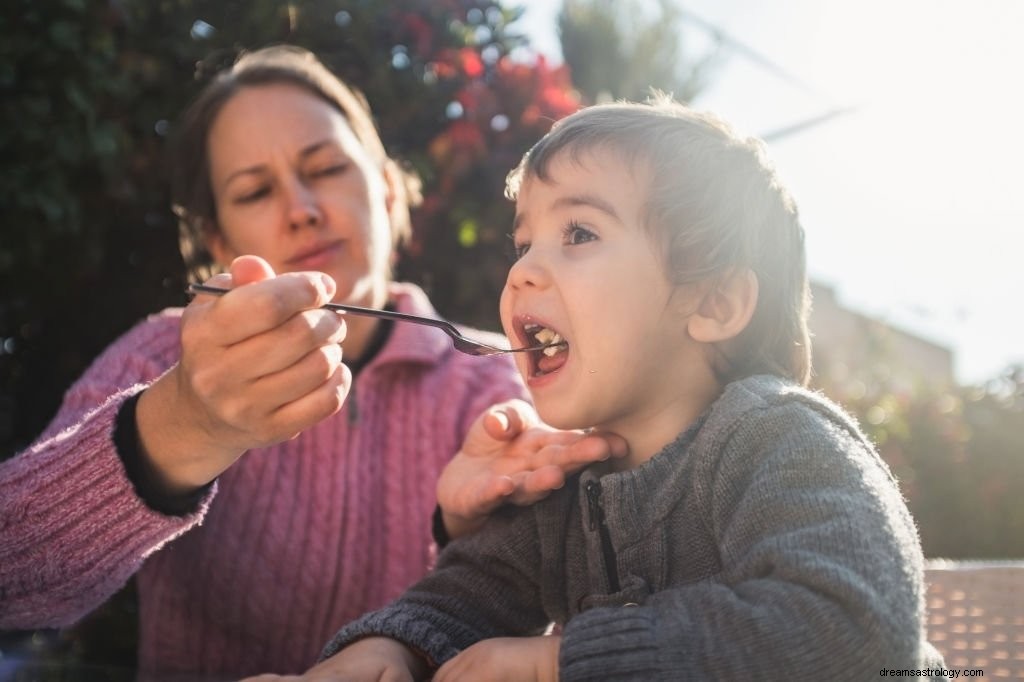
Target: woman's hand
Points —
{"points": [[505, 659], [374, 659], [509, 455], [258, 365]]}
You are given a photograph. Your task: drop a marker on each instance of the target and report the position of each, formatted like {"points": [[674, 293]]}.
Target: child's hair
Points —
{"points": [[192, 195], [714, 205]]}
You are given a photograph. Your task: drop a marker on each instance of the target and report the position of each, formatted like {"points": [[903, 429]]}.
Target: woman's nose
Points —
{"points": [[303, 208]]}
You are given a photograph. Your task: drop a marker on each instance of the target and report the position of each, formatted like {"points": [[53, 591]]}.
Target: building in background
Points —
{"points": [[849, 345]]}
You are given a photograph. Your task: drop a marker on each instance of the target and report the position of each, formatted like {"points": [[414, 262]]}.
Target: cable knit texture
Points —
{"points": [[768, 542], [291, 543]]}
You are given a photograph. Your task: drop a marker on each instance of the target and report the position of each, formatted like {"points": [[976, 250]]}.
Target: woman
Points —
{"points": [[224, 452]]}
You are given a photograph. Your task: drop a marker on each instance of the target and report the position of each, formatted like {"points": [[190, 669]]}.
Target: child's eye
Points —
{"points": [[516, 250], [574, 234]]}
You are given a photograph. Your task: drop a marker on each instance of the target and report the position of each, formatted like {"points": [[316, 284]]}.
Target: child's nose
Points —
{"points": [[528, 271]]}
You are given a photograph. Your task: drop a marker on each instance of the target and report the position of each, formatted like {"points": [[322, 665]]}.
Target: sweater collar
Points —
{"points": [[409, 342]]}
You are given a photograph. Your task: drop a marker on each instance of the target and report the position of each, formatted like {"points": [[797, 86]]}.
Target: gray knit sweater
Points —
{"points": [[769, 541]]}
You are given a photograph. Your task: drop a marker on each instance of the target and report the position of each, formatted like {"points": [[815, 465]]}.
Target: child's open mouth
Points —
{"points": [[551, 358]]}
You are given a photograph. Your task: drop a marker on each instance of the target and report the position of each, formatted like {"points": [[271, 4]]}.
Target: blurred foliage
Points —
{"points": [[621, 49], [956, 451], [90, 90]]}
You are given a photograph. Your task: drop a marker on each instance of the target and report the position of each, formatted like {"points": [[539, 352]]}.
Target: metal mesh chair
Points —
{"points": [[976, 615]]}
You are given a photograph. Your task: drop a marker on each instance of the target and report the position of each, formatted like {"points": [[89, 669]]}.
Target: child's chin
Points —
{"points": [[560, 419]]}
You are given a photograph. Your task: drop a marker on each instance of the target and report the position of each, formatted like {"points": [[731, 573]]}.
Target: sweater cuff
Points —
{"points": [[420, 628], [610, 644], [129, 449]]}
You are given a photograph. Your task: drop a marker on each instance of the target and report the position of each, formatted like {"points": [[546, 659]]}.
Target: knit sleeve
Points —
{"points": [[72, 528], [485, 585], [822, 570]]}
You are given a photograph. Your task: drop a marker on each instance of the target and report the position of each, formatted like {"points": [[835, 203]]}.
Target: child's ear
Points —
{"points": [[726, 308]]}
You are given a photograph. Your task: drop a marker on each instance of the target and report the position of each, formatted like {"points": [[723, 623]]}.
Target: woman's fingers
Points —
{"points": [[314, 405], [277, 349], [255, 308], [263, 361]]}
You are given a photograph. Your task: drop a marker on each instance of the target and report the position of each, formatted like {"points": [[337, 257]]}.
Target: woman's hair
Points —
{"points": [[191, 190], [714, 206]]}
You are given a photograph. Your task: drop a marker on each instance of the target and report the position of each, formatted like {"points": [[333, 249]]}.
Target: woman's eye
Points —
{"points": [[519, 250], [333, 169], [577, 234], [252, 196]]}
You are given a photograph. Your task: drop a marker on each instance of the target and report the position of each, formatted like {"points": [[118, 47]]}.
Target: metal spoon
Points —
{"points": [[461, 343]]}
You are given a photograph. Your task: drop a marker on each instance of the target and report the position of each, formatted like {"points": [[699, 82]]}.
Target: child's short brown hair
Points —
{"points": [[714, 205]]}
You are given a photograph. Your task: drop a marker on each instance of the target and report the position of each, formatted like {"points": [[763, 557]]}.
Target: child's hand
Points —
{"points": [[374, 659], [510, 456], [505, 659]]}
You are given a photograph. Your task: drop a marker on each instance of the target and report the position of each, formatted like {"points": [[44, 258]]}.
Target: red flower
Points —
{"points": [[472, 65]]}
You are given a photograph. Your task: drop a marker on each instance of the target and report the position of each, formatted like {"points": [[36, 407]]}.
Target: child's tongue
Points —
{"points": [[549, 363]]}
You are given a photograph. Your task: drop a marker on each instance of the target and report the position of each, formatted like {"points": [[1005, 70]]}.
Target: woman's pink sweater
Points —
{"points": [[291, 543]]}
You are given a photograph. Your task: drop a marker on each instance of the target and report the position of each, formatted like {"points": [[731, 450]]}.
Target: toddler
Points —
{"points": [[752, 532]]}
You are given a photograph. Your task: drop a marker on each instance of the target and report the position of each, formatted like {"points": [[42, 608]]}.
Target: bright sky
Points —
{"points": [[913, 201]]}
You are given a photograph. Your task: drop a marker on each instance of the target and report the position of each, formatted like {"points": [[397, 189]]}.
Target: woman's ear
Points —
{"points": [[217, 245], [726, 308], [394, 189]]}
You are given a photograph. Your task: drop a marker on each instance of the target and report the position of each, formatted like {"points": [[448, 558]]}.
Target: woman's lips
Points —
{"points": [[316, 257]]}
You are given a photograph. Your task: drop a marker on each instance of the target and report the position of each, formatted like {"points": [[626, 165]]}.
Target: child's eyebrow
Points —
{"points": [[587, 200], [572, 201]]}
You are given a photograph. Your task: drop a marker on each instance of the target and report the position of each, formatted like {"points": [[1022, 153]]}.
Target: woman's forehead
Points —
{"points": [[259, 120]]}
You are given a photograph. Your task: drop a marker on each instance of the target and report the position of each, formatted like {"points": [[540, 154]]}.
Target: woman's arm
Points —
{"points": [[72, 527]]}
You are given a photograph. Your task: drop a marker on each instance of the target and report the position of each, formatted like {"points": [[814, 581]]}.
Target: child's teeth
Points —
{"points": [[556, 341], [545, 335]]}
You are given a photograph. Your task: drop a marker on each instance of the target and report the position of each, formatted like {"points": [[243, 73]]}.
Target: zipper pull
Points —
{"points": [[596, 514]]}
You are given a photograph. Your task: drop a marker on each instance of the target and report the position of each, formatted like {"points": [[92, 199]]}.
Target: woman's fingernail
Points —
{"points": [[329, 286]]}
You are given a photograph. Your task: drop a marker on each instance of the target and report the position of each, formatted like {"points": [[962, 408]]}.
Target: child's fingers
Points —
{"points": [[507, 420], [617, 445], [570, 455], [533, 486], [497, 490]]}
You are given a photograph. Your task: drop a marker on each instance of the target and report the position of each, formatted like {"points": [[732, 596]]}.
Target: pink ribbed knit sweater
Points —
{"points": [[291, 543]]}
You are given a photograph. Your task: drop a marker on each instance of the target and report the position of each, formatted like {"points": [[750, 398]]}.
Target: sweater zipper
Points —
{"points": [[597, 522]]}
